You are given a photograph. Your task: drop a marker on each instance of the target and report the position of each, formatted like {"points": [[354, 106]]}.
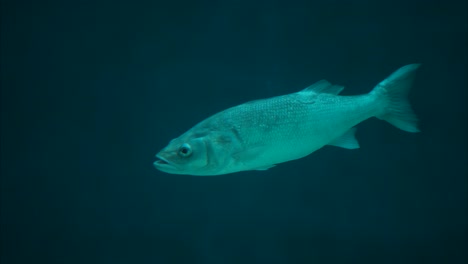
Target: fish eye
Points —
{"points": [[185, 150]]}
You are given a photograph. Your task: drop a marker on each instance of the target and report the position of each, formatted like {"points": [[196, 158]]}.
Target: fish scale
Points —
{"points": [[289, 127]]}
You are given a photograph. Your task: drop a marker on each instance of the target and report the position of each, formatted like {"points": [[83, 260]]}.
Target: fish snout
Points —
{"points": [[163, 163]]}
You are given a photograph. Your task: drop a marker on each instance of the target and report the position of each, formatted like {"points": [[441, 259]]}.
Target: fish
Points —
{"points": [[260, 134]]}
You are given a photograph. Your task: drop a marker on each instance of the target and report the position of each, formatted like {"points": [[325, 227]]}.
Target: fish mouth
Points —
{"points": [[163, 164]]}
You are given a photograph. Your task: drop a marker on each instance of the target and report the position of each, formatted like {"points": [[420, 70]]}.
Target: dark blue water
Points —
{"points": [[91, 90]]}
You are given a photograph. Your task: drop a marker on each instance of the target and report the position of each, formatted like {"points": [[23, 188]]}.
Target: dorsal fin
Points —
{"points": [[323, 86]]}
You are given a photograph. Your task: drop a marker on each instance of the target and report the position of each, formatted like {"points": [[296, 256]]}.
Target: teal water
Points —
{"points": [[90, 91]]}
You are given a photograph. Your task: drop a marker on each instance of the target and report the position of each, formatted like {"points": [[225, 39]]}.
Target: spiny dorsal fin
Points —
{"points": [[323, 86]]}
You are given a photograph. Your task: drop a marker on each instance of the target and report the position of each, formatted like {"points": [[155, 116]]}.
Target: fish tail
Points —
{"points": [[392, 95]]}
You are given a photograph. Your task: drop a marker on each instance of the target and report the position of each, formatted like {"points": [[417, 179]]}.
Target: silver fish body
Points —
{"points": [[258, 135]]}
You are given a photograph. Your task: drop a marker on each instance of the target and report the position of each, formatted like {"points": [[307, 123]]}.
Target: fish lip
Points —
{"points": [[162, 163]]}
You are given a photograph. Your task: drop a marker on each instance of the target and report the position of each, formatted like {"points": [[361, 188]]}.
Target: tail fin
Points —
{"points": [[392, 93]]}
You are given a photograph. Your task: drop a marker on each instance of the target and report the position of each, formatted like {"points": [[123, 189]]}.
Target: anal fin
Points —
{"points": [[347, 140]]}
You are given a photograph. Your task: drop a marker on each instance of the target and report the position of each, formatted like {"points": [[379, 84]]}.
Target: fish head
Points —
{"points": [[196, 154]]}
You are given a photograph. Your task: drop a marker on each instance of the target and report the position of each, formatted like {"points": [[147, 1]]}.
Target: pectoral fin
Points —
{"points": [[248, 154], [265, 167], [347, 141]]}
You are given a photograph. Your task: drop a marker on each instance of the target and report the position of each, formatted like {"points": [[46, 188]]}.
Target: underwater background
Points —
{"points": [[92, 90]]}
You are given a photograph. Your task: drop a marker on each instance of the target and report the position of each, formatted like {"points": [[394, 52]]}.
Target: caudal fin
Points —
{"points": [[392, 94]]}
